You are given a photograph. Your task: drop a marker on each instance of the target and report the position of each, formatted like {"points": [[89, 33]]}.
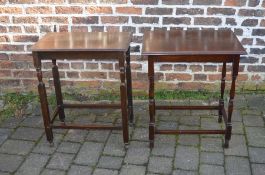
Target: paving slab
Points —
{"points": [[257, 155], [105, 172], [258, 169], [255, 136], [10, 163], [138, 153], [160, 165], [237, 165], [19, 147], [237, 146], [60, 161], [211, 170], [213, 158], [79, 170], [24, 133], [109, 162], [132, 170], [187, 158]]}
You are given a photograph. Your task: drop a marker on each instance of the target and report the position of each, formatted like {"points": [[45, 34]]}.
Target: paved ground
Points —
{"points": [[24, 149]]}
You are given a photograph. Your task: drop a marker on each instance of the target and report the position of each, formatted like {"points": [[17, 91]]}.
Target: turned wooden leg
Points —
{"points": [[43, 99], [58, 91], [221, 100], [231, 101], [123, 94], [129, 88], [151, 102]]}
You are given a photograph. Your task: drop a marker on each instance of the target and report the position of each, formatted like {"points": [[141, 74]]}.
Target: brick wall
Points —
{"points": [[23, 22]]}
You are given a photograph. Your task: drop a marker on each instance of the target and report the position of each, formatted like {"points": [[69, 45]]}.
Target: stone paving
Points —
{"points": [[24, 149]]}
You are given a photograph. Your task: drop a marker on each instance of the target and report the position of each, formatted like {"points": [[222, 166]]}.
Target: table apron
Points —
{"points": [[75, 55], [193, 58]]}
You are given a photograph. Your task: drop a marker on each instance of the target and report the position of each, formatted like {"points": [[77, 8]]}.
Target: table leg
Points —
{"points": [[231, 101], [221, 100], [129, 87], [58, 91], [43, 99], [123, 93], [151, 102]]}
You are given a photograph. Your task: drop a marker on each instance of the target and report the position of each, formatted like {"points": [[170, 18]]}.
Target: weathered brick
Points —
{"points": [[113, 1], [223, 11], [172, 20], [25, 38], [27, 20], [177, 76], [98, 10], [207, 2], [21, 1], [55, 19], [10, 10], [142, 20], [158, 11], [146, 2], [258, 32], [175, 2], [100, 75], [230, 21], [39, 10], [129, 10], [235, 2], [207, 21], [250, 22], [260, 42], [68, 10], [189, 11], [253, 3], [257, 68], [247, 41], [251, 12], [85, 20], [114, 19], [257, 51]]}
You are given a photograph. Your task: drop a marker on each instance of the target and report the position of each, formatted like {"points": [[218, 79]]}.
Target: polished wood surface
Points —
{"points": [[92, 45], [191, 42], [84, 41], [193, 46]]}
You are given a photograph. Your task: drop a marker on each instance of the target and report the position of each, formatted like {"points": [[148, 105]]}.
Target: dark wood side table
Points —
{"points": [[81, 45], [193, 46]]}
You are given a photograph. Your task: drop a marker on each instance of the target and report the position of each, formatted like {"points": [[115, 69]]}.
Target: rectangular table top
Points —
{"points": [[84, 41], [192, 42]]}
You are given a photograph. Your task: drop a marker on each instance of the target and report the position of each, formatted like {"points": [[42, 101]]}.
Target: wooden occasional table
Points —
{"points": [[81, 45], [220, 46]]}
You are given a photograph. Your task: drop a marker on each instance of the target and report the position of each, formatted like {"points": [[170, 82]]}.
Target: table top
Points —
{"points": [[84, 41], [192, 42]]}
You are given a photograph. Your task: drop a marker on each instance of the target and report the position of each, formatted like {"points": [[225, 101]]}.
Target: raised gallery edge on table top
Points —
{"points": [[84, 41], [192, 42]]}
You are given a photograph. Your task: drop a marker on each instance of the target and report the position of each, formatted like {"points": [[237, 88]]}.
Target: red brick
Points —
{"points": [[166, 67], [9, 83], [15, 29], [114, 19], [195, 68], [21, 1], [4, 19], [79, 29], [11, 10], [72, 74], [85, 20], [4, 38], [135, 66], [200, 77], [25, 38], [39, 10], [256, 77], [30, 29], [11, 47], [5, 73], [145, 2], [175, 2], [112, 28], [129, 10], [99, 75], [235, 2], [23, 74], [113, 1], [98, 10], [55, 19], [107, 66], [25, 20], [91, 66], [68, 10], [77, 65], [180, 67], [114, 75], [178, 76], [214, 77], [210, 68], [139, 85], [21, 57], [3, 56], [85, 84], [7, 65]]}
